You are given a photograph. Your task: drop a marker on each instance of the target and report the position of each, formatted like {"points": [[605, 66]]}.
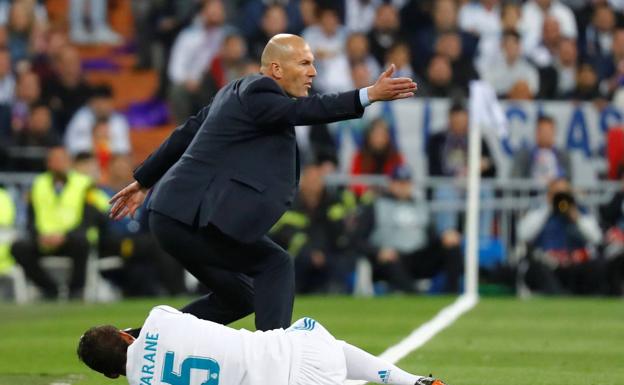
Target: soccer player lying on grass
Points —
{"points": [[179, 349]]}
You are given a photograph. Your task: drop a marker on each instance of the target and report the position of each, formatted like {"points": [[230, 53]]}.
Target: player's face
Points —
{"points": [[298, 71]]}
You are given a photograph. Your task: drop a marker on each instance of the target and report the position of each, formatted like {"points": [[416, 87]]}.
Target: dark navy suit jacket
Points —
{"points": [[235, 164]]}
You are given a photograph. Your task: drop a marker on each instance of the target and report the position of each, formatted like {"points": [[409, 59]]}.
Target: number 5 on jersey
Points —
{"points": [[190, 363]]}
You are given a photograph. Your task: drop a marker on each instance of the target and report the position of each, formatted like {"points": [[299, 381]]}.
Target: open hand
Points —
{"points": [[388, 88], [127, 201]]}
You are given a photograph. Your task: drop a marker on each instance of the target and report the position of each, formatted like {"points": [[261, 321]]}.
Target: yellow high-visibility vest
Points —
{"points": [[7, 221], [63, 212]]}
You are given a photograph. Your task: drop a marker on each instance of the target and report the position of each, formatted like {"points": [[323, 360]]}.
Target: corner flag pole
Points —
{"points": [[473, 184], [485, 113]]}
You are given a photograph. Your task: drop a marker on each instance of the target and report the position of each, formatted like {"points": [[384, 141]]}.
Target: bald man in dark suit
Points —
{"points": [[229, 173]]}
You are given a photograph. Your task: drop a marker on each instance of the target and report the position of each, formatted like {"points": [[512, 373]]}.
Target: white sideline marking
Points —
{"points": [[426, 331]]}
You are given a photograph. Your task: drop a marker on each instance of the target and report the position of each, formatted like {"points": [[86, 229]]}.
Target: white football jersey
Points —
{"points": [[175, 348]]}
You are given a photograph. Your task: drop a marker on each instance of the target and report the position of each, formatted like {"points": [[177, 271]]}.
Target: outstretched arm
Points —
{"points": [[129, 199], [266, 102]]}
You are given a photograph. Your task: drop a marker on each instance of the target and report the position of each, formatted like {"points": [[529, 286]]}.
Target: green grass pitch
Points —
{"points": [[500, 342]]}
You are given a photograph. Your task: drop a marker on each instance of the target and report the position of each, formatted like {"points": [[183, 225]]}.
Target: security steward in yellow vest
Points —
{"points": [[58, 220], [7, 222]]}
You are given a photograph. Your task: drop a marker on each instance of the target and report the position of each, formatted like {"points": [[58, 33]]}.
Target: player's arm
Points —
{"points": [[129, 199], [267, 104]]}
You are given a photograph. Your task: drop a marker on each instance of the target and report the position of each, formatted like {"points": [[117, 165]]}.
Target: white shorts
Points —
{"points": [[318, 358]]}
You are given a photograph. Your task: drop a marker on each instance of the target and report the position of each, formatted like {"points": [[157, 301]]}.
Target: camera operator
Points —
{"points": [[561, 237]]}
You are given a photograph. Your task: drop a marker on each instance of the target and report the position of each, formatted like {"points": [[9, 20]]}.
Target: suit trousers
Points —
{"points": [[242, 277]]}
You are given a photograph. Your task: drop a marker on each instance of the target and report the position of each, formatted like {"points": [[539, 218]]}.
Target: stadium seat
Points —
{"points": [[98, 289], [363, 281], [19, 284]]}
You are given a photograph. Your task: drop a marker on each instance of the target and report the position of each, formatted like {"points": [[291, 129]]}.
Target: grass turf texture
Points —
{"points": [[500, 342]]}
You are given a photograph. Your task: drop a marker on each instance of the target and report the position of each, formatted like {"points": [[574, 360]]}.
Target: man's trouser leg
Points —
{"points": [[225, 266]]}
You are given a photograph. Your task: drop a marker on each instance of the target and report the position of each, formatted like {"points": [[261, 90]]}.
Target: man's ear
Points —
{"points": [[276, 71], [126, 337]]}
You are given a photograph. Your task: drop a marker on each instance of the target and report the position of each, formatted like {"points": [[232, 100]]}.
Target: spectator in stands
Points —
{"points": [[534, 12], [249, 15], [358, 50], [511, 76], [544, 56], [449, 44], [319, 231], [168, 18], [401, 241], [191, 55], [28, 92], [20, 25], [85, 163], [7, 226], [327, 41], [57, 224], [36, 137], [79, 136], [274, 21], [566, 66], [543, 162], [39, 130], [100, 32], [587, 86], [596, 42], [142, 11], [44, 52], [399, 54], [228, 65], [444, 17], [147, 269], [439, 80], [385, 32], [7, 92], [544, 53], [378, 155], [447, 154], [360, 74], [482, 19], [67, 91], [360, 15], [613, 75], [307, 9], [38, 8], [561, 236]]}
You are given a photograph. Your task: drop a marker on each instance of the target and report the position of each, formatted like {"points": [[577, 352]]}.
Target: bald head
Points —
{"points": [[288, 60], [280, 48]]}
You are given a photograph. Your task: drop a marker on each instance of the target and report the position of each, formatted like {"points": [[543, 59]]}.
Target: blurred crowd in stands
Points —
{"points": [[55, 123]]}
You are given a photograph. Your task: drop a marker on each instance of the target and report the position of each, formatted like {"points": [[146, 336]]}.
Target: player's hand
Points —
{"points": [[388, 88], [127, 201], [51, 240]]}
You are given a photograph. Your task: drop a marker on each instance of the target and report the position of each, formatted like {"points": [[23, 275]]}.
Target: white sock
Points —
{"points": [[364, 366]]}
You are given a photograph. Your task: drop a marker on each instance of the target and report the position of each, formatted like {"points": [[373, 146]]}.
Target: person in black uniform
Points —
{"points": [[229, 173]]}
